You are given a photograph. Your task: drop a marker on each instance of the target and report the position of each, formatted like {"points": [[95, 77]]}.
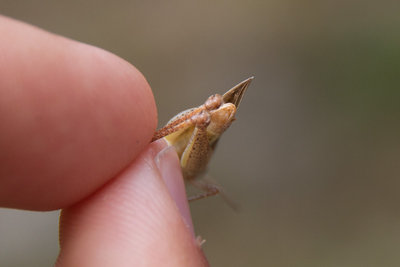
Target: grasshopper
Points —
{"points": [[194, 133]]}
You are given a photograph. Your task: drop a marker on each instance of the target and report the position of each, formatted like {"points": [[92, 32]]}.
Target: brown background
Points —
{"points": [[313, 158]]}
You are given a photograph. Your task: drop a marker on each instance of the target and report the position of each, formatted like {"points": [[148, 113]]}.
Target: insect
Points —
{"points": [[195, 132]]}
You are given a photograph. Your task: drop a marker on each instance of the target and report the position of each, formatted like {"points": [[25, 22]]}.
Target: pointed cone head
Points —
{"points": [[236, 94]]}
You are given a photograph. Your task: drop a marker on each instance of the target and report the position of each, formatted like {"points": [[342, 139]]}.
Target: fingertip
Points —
{"points": [[72, 116], [170, 170], [132, 221]]}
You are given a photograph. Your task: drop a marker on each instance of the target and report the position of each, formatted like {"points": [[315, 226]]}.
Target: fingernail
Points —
{"points": [[168, 164]]}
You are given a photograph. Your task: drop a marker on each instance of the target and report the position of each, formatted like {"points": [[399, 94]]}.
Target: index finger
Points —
{"points": [[71, 117]]}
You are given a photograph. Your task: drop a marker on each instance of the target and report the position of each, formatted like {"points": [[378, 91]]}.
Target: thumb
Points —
{"points": [[140, 218]]}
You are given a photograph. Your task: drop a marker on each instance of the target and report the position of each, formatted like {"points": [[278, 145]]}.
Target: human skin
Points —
{"points": [[75, 130]]}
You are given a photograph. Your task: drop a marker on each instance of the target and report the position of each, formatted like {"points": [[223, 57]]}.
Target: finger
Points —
{"points": [[134, 220], [72, 116]]}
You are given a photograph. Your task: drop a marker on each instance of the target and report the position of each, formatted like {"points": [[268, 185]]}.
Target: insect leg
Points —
{"points": [[198, 151], [210, 188]]}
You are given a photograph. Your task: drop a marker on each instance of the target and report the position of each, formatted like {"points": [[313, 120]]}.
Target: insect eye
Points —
{"points": [[202, 119], [213, 102]]}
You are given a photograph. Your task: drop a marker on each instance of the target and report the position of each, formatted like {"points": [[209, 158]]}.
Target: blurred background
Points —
{"points": [[313, 158]]}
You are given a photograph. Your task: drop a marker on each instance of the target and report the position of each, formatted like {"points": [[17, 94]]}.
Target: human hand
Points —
{"points": [[75, 127]]}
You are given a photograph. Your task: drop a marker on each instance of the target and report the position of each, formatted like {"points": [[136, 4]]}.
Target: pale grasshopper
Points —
{"points": [[195, 132]]}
